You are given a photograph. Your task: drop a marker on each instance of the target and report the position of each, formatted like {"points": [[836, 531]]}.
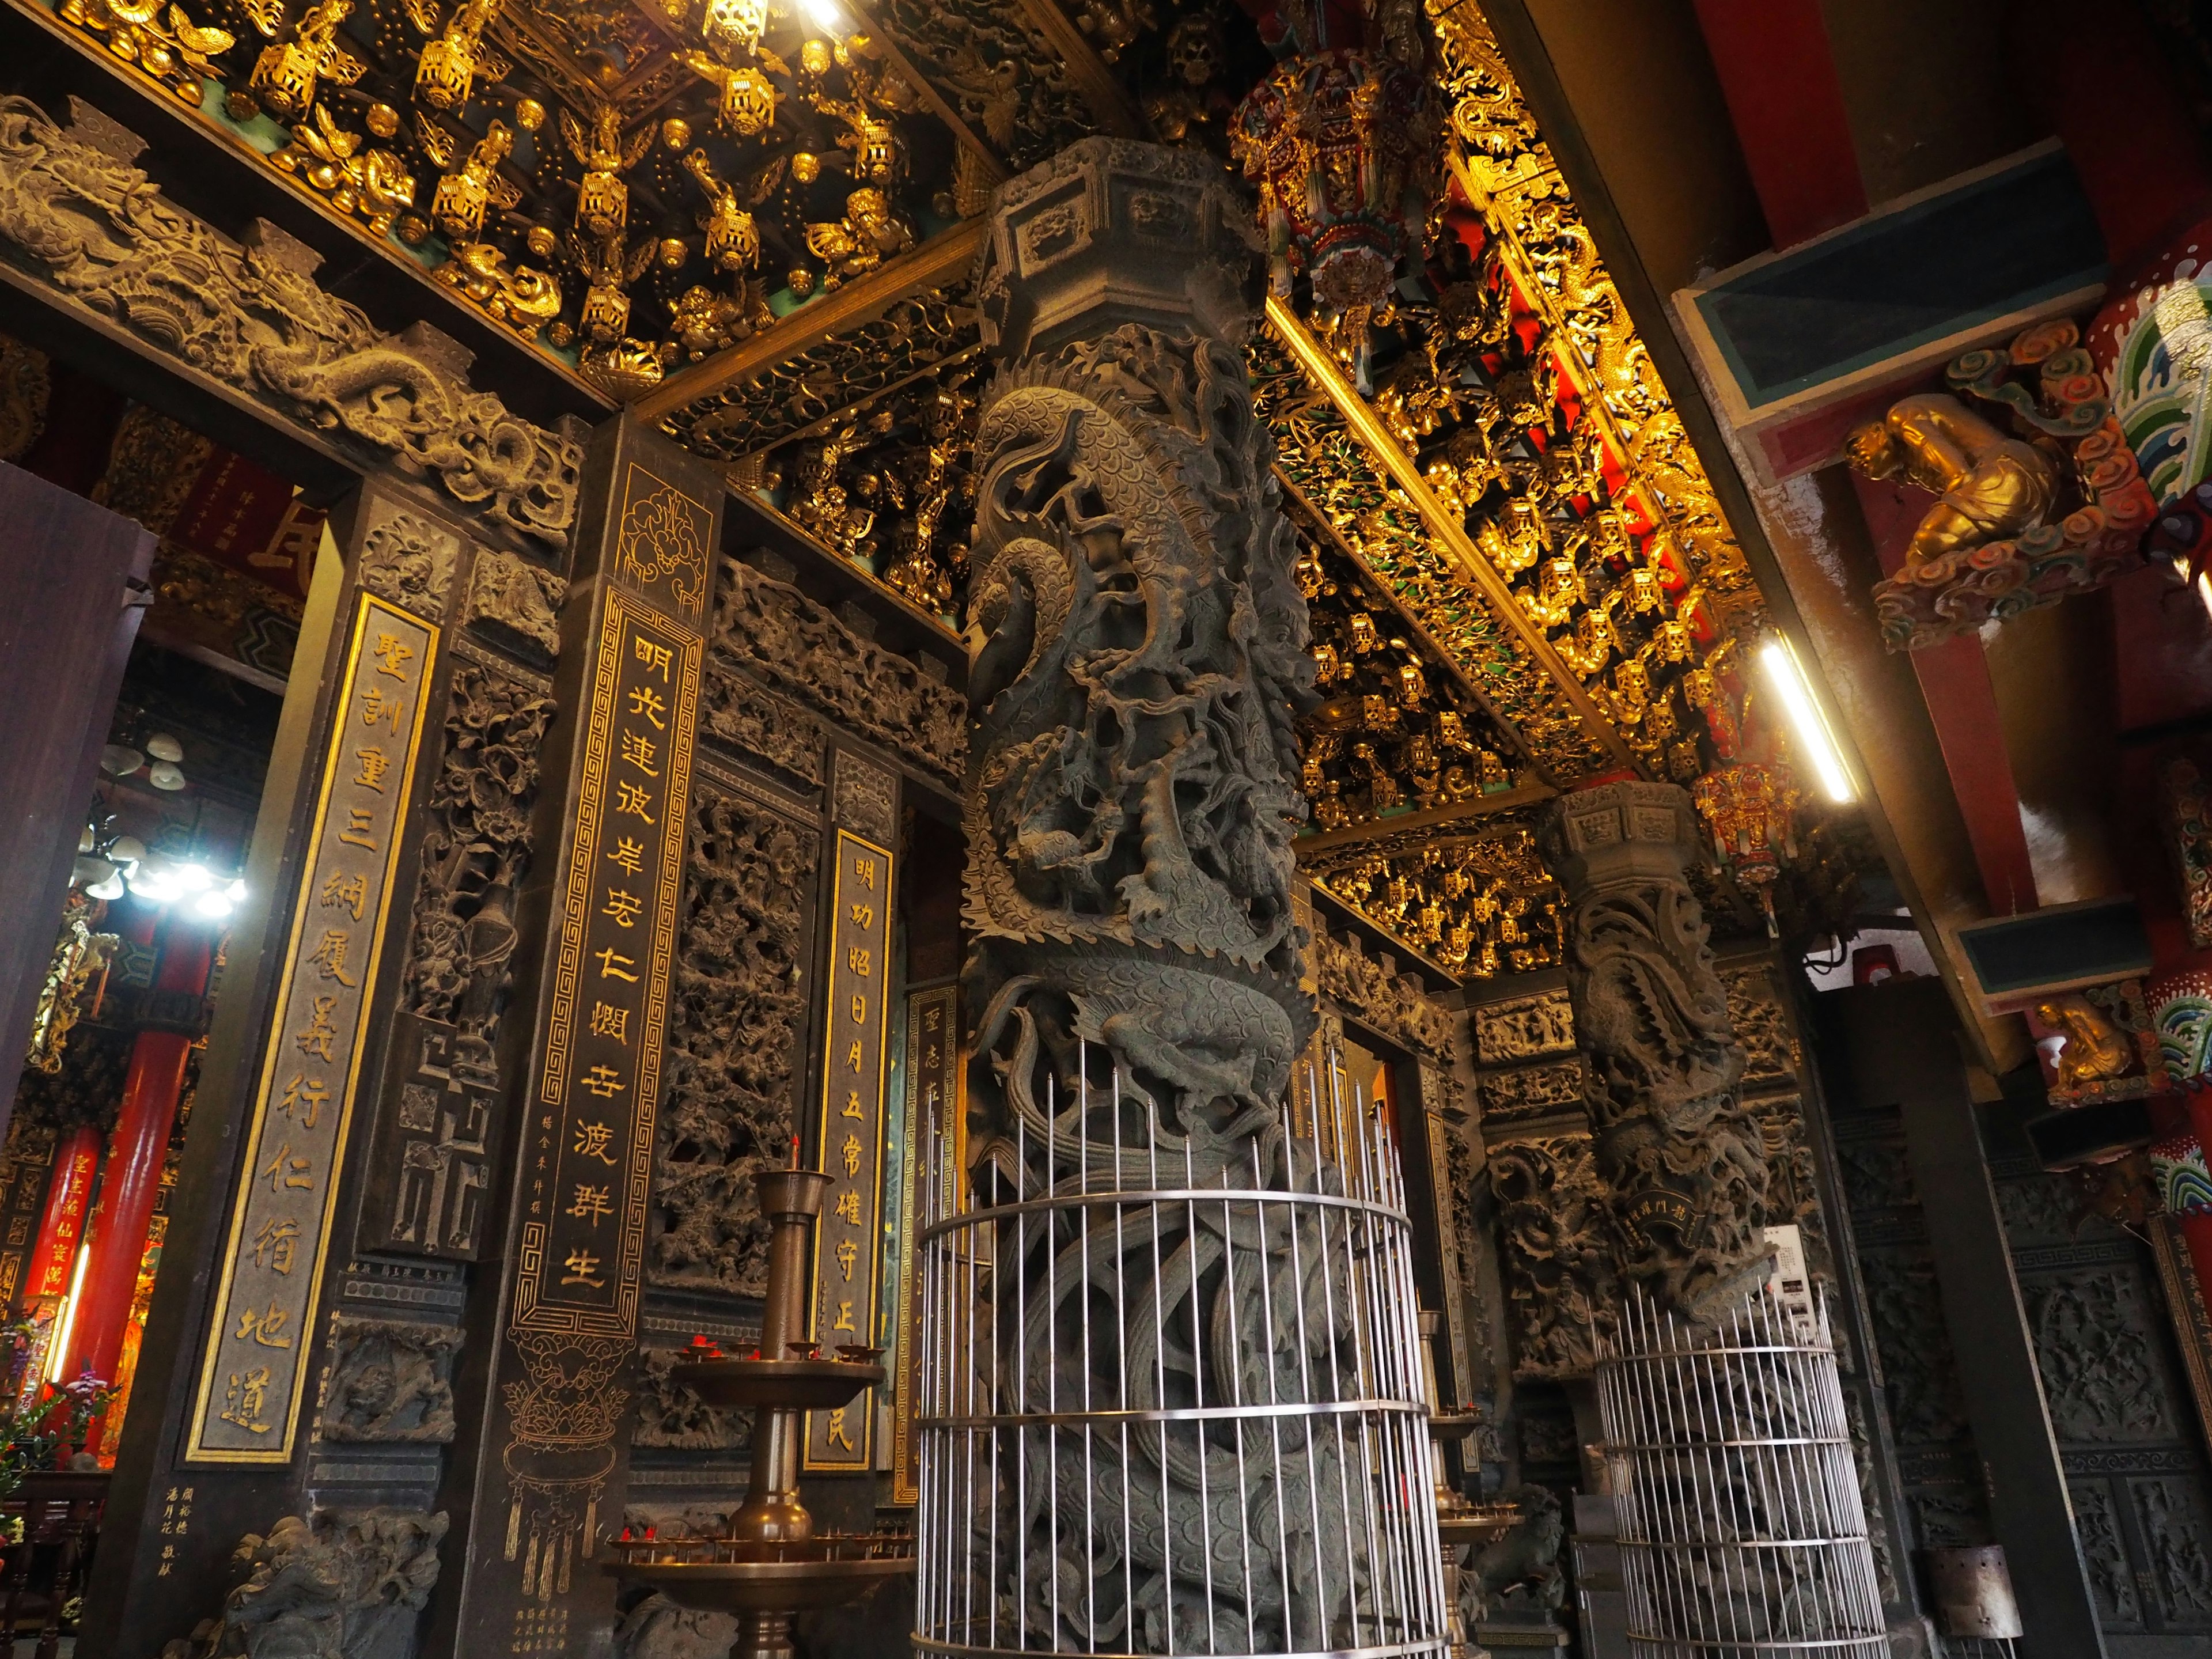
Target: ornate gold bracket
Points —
{"points": [[1451, 532], [943, 258]]}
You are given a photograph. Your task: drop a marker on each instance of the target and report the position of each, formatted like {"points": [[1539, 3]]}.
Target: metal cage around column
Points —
{"points": [[1742, 1529], [1170, 1396]]}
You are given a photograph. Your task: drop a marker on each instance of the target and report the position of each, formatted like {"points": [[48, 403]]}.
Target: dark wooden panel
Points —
{"points": [[66, 625]]}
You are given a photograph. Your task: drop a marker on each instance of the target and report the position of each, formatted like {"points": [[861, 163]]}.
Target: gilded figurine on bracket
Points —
{"points": [[1990, 487]]}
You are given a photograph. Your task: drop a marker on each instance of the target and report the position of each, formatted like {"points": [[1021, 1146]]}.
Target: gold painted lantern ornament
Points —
{"points": [[736, 23], [463, 195], [449, 66], [732, 238], [1339, 144], [603, 199], [1749, 808], [285, 75], [747, 107]]}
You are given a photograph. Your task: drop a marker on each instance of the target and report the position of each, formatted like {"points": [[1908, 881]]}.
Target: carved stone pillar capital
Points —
{"points": [[1684, 1166], [1110, 232]]}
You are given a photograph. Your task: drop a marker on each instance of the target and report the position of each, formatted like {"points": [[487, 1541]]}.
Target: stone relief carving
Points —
{"points": [[2110, 1580], [1793, 1194], [390, 1379], [796, 647], [671, 1417], [1137, 650], [737, 1020], [1531, 1091], [1874, 1175], [2174, 1530], [1946, 1516], [863, 798], [475, 855], [1523, 1027], [1558, 1257], [75, 211], [2095, 1348], [1371, 990], [1682, 1161], [1761, 1025], [1906, 1306], [339, 1584], [513, 602], [736, 715], [410, 561], [656, 1628]]}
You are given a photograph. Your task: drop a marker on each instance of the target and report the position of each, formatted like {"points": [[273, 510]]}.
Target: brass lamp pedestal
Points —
{"points": [[769, 1567]]}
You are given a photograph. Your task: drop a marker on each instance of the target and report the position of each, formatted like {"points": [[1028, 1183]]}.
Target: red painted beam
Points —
{"points": [[1955, 679], [1786, 102]]}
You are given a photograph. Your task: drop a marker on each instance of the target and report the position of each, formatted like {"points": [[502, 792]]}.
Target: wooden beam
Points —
{"points": [[943, 258], [1429, 817], [1117, 115], [1448, 527]]}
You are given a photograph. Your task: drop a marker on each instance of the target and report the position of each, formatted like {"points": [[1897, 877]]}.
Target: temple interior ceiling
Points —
{"points": [[757, 223]]}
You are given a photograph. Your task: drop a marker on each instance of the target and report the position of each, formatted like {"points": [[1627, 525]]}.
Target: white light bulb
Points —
{"points": [[825, 16], [215, 904], [194, 878], [110, 889], [1806, 720], [237, 891]]}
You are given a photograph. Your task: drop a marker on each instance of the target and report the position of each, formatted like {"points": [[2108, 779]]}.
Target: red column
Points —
{"points": [[1786, 103], [69, 1199], [149, 1113]]}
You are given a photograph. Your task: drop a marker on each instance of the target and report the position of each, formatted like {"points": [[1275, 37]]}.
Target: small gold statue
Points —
{"points": [[2090, 1050], [1993, 487]]}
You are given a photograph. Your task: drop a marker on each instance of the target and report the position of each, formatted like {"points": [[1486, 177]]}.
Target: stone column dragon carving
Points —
{"points": [[1138, 651], [1682, 1162]]}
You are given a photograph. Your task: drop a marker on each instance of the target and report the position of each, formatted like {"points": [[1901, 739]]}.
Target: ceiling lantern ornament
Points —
{"points": [[1341, 142], [1750, 809]]}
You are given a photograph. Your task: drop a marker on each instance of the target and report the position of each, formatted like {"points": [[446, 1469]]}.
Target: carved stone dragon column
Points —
{"points": [[1681, 1159], [1138, 649]]}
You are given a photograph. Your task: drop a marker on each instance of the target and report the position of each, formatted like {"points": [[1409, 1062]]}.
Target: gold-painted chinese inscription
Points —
{"points": [[932, 1118], [590, 1140], [252, 1380], [847, 1242]]}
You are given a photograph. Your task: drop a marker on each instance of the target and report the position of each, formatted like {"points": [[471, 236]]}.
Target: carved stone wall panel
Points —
{"points": [[742, 720], [2171, 1517], [75, 212], [390, 1379], [1560, 1264], [1523, 1027], [863, 798], [409, 559], [336, 1584], [671, 1417], [2098, 1350], [793, 646], [735, 1032], [1762, 1025], [514, 603], [1371, 990], [2111, 1581], [476, 855], [1525, 1093]]}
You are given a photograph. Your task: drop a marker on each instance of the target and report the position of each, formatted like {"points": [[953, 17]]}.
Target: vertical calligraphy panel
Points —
{"points": [[932, 1118], [845, 1251], [251, 1381], [591, 1144]]}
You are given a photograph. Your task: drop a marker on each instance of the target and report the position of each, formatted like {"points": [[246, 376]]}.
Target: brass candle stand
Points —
{"points": [[771, 1565]]}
